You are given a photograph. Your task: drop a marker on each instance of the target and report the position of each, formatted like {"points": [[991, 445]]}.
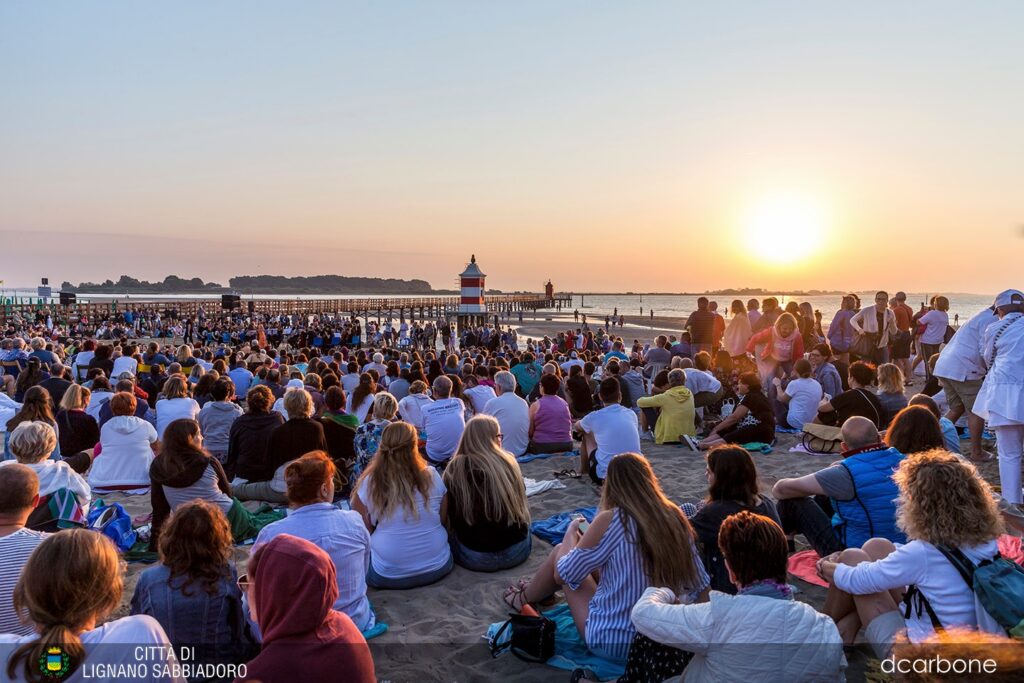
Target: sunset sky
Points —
{"points": [[610, 146]]}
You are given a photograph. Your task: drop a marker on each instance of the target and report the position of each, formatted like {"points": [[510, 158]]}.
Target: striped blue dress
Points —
{"points": [[609, 630]]}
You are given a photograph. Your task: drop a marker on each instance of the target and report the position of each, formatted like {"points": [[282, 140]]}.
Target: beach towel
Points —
{"points": [[787, 430], [800, 448], [56, 511], [245, 525], [553, 528], [570, 650], [527, 457], [758, 447], [803, 565], [534, 486], [1010, 548]]}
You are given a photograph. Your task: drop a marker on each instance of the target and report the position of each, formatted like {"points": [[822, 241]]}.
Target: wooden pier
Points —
{"points": [[422, 308]]}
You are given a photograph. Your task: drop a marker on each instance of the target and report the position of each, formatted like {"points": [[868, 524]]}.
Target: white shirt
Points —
{"points": [[406, 545], [126, 453], [479, 396], [349, 382], [805, 394], [124, 364], [444, 421], [96, 401], [615, 428], [935, 322], [129, 633], [1001, 399], [14, 551], [170, 409], [411, 409], [699, 381], [54, 475], [960, 359], [360, 410], [922, 564], [342, 535], [513, 415]]}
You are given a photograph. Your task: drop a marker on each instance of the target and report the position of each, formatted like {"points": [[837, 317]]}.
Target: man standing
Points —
{"points": [[961, 372], [701, 326], [901, 343]]}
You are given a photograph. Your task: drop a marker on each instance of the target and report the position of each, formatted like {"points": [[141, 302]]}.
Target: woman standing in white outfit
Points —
{"points": [[1001, 399]]}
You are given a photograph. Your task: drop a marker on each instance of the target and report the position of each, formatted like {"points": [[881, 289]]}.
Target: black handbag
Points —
{"points": [[533, 638]]}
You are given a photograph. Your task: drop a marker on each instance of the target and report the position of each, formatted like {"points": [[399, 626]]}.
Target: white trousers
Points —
{"points": [[1010, 444]]}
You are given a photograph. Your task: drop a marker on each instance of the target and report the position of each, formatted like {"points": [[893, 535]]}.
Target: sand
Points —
{"points": [[435, 631]]}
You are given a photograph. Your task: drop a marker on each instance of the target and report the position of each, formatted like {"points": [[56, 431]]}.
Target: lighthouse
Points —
{"points": [[471, 292]]}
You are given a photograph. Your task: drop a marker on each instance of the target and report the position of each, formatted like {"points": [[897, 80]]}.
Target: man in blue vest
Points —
{"points": [[859, 490]]}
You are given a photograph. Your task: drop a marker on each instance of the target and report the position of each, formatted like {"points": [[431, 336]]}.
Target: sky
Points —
{"points": [[608, 146]]}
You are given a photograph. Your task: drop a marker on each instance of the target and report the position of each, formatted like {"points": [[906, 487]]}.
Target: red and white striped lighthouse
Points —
{"points": [[471, 285]]}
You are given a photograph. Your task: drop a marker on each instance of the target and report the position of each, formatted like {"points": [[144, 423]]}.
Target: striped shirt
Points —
{"points": [[609, 630], [14, 551]]}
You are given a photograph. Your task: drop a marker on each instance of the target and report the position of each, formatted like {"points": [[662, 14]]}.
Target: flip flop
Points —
{"points": [[567, 473], [985, 458]]}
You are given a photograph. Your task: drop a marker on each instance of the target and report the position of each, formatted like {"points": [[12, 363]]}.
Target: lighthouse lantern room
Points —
{"points": [[472, 307]]}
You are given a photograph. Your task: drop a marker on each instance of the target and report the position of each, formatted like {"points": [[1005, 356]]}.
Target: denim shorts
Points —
{"points": [[375, 580], [476, 561]]}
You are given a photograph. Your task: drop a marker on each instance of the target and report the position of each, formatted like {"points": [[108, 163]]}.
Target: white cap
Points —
{"points": [[1010, 297], [295, 384]]}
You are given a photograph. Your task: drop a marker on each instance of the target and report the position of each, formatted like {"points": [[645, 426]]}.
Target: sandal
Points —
{"points": [[515, 595], [581, 673], [567, 473], [985, 458]]}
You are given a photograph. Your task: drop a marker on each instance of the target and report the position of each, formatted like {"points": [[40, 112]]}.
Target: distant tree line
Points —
{"points": [[258, 284]]}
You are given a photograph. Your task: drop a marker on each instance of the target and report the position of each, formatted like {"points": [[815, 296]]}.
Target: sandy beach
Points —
{"points": [[435, 631], [644, 329]]}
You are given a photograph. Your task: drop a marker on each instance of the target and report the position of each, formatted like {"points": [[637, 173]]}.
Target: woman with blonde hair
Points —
{"points": [[78, 431], [639, 538], [404, 506], [945, 509], [175, 405], [782, 347], [71, 583], [488, 514], [890, 392], [184, 356], [368, 434]]}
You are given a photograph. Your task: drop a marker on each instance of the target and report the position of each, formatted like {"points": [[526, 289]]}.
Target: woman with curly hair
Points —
{"points": [[193, 591], [914, 589]]}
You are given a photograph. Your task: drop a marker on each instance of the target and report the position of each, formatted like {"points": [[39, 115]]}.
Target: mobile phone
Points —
{"points": [[584, 525]]}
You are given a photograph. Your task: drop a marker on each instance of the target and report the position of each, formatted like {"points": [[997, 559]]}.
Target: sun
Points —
{"points": [[785, 228]]}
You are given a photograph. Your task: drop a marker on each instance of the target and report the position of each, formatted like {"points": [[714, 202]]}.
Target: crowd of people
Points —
{"points": [[394, 450]]}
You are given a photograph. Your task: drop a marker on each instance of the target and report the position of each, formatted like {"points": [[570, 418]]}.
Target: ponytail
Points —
{"points": [[58, 636]]}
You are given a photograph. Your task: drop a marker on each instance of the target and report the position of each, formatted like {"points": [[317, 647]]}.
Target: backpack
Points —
{"points": [[998, 586]]}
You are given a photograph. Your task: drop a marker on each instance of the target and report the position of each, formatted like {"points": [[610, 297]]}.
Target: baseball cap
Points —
{"points": [[295, 384], [1010, 297]]}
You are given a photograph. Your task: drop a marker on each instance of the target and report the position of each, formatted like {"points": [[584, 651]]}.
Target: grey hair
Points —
{"points": [[30, 442], [677, 376], [298, 403], [443, 385], [384, 406], [505, 381]]}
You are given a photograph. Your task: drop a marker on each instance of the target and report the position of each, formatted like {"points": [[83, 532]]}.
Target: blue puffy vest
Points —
{"points": [[872, 510]]}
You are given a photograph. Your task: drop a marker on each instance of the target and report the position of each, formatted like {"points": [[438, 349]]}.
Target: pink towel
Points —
{"points": [[1010, 548], [803, 565]]}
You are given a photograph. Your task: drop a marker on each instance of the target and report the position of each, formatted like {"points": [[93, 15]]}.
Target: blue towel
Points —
{"points": [[570, 650], [553, 528], [527, 457], [787, 430]]}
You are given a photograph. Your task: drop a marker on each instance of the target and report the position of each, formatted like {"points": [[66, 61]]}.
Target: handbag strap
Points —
{"points": [[497, 649], [878, 418]]}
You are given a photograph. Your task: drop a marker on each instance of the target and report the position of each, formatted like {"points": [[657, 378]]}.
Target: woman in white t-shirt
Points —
{"points": [[798, 401], [175, 405], [72, 582], [932, 332], [360, 400], [404, 506]]}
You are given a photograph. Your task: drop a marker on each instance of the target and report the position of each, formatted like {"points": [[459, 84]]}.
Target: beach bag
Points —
{"points": [[728, 405], [533, 638], [113, 522], [865, 344], [998, 586], [821, 438]]}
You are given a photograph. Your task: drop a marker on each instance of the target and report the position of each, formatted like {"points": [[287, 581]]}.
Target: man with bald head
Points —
{"points": [[858, 493], [19, 494], [444, 421]]}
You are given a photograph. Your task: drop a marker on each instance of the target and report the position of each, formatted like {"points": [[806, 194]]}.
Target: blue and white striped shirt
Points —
{"points": [[609, 630]]}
